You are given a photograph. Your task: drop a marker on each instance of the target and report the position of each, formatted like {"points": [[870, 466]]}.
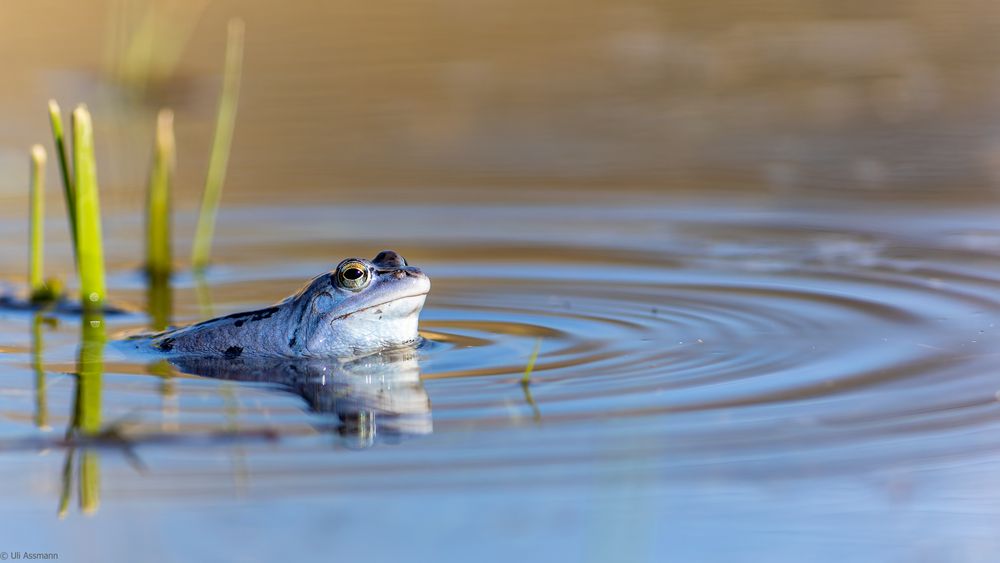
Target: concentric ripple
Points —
{"points": [[684, 342]]}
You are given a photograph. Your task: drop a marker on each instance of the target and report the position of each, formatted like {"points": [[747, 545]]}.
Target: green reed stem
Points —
{"points": [[159, 258], [218, 161], [526, 382], [526, 378], [89, 242], [55, 118], [36, 255]]}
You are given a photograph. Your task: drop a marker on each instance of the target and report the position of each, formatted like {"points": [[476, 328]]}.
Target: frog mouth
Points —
{"points": [[379, 304]]}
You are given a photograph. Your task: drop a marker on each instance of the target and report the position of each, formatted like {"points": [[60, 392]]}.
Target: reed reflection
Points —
{"points": [[159, 298], [85, 422], [38, 368]]}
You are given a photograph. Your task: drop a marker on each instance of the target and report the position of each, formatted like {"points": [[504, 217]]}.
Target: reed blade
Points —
{"points": [[526, 377], [159, 254], [218, 161], [36, 260], [89, 240], [69, 190]]}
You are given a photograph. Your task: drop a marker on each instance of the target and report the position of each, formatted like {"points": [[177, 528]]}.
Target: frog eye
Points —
{"points": [[353, 275]]}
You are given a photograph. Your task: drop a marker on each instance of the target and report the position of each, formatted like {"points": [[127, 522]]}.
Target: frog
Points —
{"points": [[359, 307]]}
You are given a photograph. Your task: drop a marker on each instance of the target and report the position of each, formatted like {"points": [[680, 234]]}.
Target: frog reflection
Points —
{"points": [[376, 398]]}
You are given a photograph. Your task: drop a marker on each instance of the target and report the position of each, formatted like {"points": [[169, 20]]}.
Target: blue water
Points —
{"points": [[716, 381]]}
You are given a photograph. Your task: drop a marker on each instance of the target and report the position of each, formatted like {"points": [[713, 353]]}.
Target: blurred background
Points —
{"points": [[493, 99]]}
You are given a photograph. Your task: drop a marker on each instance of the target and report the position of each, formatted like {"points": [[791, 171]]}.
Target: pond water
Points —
{"points": [[748, 249], [703, 367]]}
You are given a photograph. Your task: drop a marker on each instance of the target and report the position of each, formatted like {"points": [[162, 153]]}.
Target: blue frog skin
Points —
{"points": [[360, 307]]}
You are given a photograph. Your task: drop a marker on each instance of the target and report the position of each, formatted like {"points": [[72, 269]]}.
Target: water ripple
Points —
{"points": [[680, 342]]}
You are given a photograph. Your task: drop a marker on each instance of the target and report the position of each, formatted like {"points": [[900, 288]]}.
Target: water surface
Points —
{"points": [[702, 366]]}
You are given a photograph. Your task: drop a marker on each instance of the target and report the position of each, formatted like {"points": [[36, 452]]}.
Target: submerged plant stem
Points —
{"points": [[69, 190], [36, 261], [159, 257], [221, 143], [526, 378], [526, 382], [89, 242]]}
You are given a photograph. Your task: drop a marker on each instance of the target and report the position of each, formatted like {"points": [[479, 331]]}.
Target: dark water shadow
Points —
{"points": [[61, 307]]}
